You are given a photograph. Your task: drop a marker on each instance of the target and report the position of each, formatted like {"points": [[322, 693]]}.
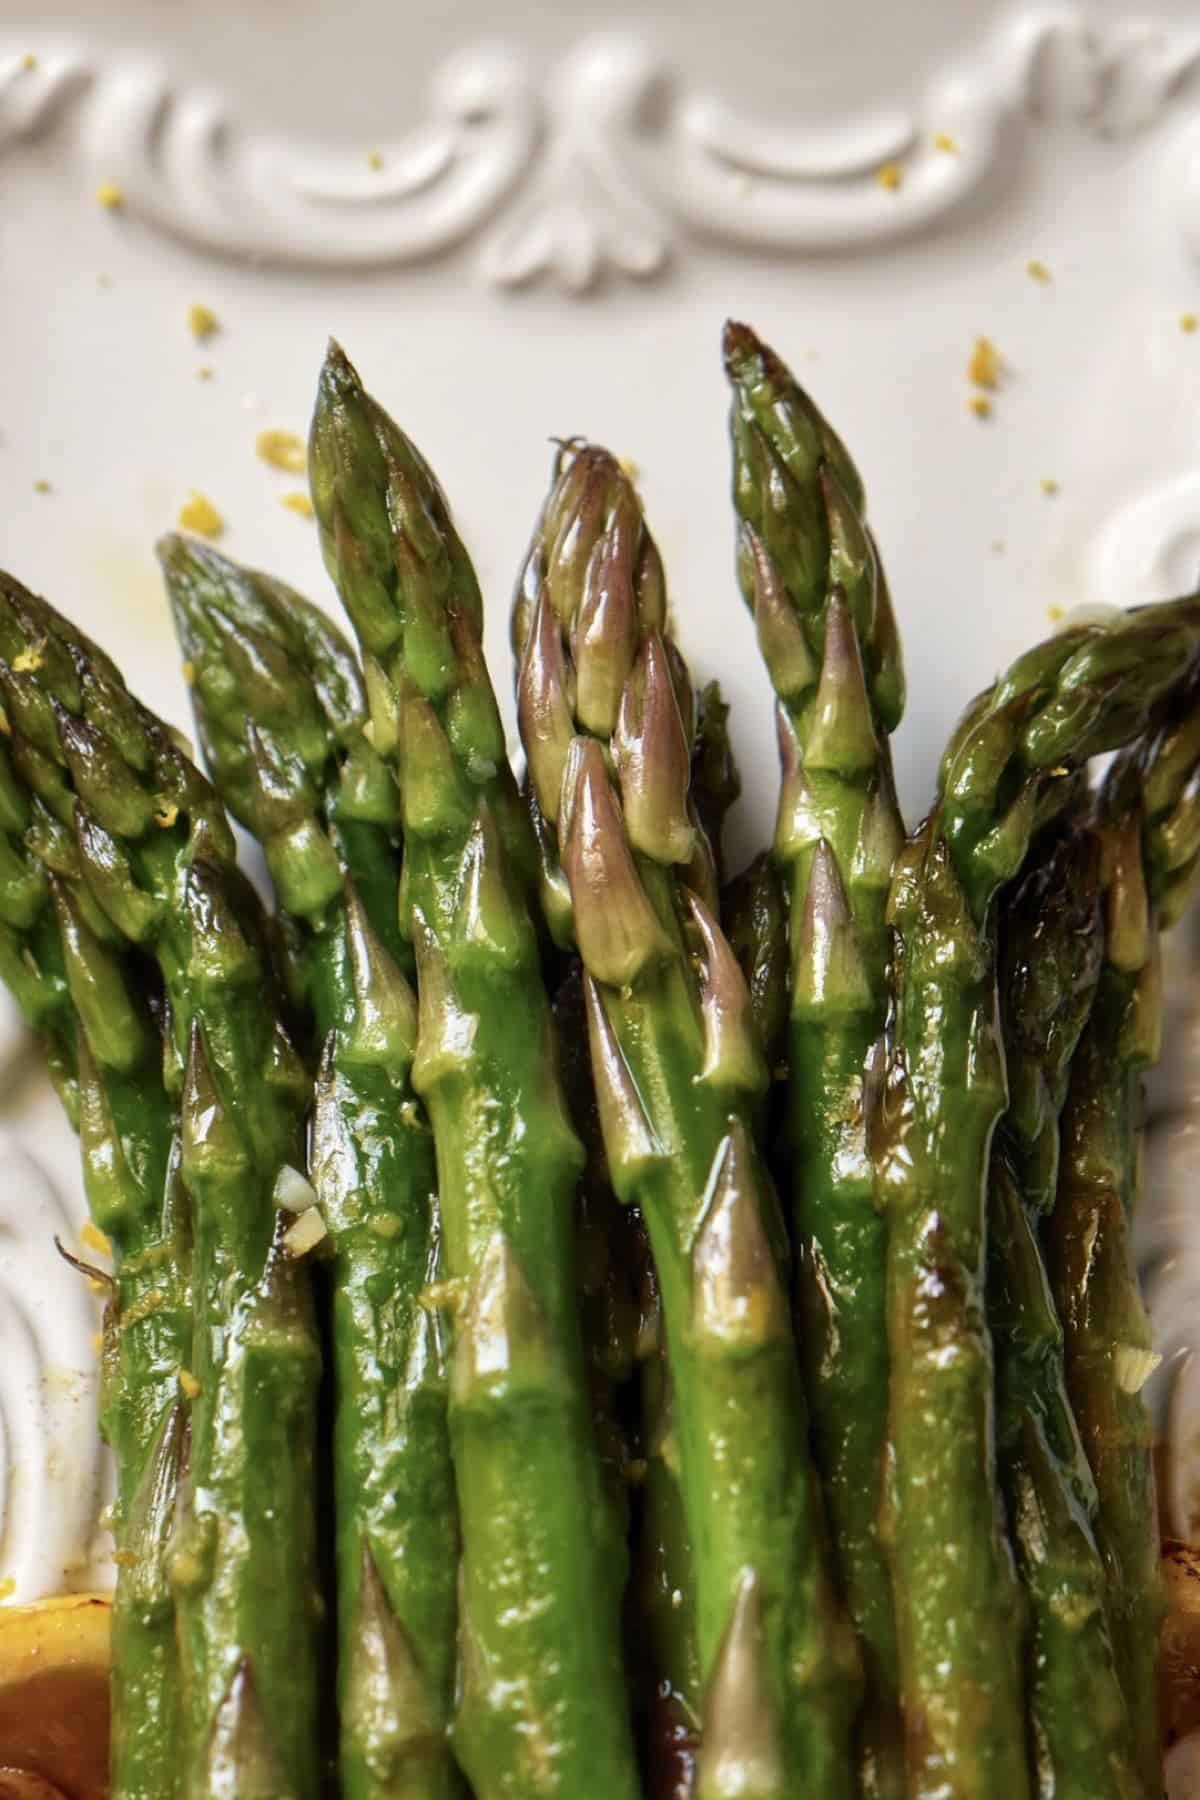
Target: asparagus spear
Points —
{"points": [[679, 1075], [1016, 751], [811, 579], [280, 709], [542, 1705], [1051, 949], [158, 856], [1151, 829]]}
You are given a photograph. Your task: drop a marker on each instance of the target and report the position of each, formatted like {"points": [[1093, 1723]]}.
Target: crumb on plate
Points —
{"points": [[985, 364], [200, 515], [1049, 485], [890, 176], [110, 196], [1189, 322], [283, 450], [1055, 614], [205, 372], [1037, 270], [375, 159], [980, 405], [299, 503], [944, 142], [202, 321], [42, 487], [29, 62]]}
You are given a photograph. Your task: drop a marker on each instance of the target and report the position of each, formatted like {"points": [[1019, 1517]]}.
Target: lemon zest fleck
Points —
{"points": [[94, 1238], [202, 321], [199, 514], [985, 364], [283, 450], [110, 196]]}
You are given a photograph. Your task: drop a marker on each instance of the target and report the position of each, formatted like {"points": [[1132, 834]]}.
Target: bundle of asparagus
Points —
{"points": [[634, 1481]]}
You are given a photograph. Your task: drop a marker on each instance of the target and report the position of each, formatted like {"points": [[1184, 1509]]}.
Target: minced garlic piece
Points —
{"points": [[299, 503], [985, 364], [306, 1233], [110, 196], [283, 450], [890, 176], [202, 322], [199, 514], [1037, 270], [980, 405]]}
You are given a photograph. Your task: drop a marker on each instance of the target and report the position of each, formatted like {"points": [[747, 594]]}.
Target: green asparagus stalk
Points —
{"points": [[668, 1671], [1150, 823], [1016, 752], [128, 1129], [679, 1073], [158, 856], [280, 710], [811, 579], [86, 1001], [1051, 950], [542, 1706]]}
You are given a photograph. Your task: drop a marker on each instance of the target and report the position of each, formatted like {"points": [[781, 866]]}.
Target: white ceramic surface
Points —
{"points": [[521, 227]]}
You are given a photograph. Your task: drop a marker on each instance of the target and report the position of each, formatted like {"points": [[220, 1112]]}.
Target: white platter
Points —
{"points": [[520, 228]]}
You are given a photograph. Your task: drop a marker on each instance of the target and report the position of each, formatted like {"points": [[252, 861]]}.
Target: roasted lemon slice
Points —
{"points": [[54, 1663]]}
